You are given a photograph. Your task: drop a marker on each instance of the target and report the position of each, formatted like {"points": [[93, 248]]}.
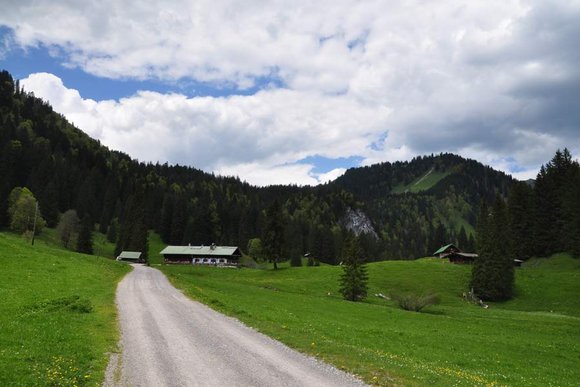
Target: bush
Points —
{"points": [[296, 261], [416, 303]]}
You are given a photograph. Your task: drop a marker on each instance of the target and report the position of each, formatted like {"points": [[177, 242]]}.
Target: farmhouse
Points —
{"points": [[202, 255], [130, 256], [455, 254]]}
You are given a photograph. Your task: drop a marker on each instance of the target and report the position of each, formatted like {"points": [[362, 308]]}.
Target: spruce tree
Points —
{"points": [[353, 282], [85, 238], [274, 233], [493, 272], [521, 219]]}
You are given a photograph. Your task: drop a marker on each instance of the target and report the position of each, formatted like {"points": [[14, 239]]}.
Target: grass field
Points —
{"points": [[422, 183], [532, 340], [155, 246], [57, 313]]}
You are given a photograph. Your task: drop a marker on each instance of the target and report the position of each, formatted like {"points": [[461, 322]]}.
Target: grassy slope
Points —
{"points": [[422, 183], [155, 246], [43, 340], [452, 343]]}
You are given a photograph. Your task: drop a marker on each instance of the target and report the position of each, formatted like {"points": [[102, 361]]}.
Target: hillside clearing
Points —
{"points": [[422, 183], [452, 343]]}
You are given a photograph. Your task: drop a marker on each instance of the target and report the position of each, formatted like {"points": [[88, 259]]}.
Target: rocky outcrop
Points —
{"points": [[358, 222]]}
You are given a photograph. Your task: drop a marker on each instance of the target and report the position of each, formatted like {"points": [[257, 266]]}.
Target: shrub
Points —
{"points": [[416, 303]]}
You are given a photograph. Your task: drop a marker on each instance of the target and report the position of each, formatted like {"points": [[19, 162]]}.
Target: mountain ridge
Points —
{"points": [[67, 169]]}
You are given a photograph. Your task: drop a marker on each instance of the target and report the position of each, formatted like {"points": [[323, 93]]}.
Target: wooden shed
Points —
{"points": [[460, 257], [444, 251], [455, 254], [130, 256]]}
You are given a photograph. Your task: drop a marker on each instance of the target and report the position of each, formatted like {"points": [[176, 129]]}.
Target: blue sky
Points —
{"points": [[299, 92]]}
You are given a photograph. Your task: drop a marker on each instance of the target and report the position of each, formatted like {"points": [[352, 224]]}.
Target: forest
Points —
{"points": [[413, 207]]}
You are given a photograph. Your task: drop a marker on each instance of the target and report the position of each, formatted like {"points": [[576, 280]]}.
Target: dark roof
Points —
{"points": [[201, 250]]}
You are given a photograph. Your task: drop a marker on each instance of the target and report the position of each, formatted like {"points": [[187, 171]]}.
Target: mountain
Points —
{"points": [[418, 205], [400, 210]]}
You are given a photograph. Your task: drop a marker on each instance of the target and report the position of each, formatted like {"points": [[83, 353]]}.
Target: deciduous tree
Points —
{"points": [[68, 227], [23, 211]]}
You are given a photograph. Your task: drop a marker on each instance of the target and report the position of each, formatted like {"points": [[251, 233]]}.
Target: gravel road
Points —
{"points": [[170, 340]]}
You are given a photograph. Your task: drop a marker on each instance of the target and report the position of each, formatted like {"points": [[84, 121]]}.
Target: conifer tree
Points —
{"points": [[274, 233], [521, 219], [493, 273], [85, 238], [353, 282]]}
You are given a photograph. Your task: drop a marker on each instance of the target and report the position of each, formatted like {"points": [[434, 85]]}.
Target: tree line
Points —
{"points": [[67, 170], [533, 221]]}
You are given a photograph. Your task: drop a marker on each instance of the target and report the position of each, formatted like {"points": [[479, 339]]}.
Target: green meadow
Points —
{"points": [[421, 183], [531, 340], [58, 317], [57, 314]]}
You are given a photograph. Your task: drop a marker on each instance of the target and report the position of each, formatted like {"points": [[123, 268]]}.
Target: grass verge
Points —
{"points": [[57, 314]]}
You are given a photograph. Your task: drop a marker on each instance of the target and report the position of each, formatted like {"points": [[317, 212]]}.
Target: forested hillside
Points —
{"points": [[414, 207]]}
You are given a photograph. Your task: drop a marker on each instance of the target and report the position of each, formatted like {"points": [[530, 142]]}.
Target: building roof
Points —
{"points": [[201, 250], [468, 255], [129, 255], [442, 249]]}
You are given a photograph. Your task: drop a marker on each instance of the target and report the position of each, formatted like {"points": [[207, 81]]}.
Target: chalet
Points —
{"points": [[202, 255], [455, 254], [130, 256], [444, 251]]}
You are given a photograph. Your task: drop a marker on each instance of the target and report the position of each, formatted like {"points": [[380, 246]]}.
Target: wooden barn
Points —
{"points": [[444, 251], [202, 255], [130, 256], [455, 254], [461, 257]]}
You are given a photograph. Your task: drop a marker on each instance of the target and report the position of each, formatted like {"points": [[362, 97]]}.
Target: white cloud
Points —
{"points": [[496, 79], [256, 137], [330, 175]]}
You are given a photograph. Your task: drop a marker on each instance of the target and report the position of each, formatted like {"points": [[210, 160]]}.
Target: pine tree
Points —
{"points": [[493, 271], [113, 231], [85, 238], [353, 282], [134, 235], [572, 209], [521, 219], [274, 233], [553, 195]]}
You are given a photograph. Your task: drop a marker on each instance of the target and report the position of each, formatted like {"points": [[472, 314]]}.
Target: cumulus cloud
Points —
{"points": [[495, 80], [257, 137]]}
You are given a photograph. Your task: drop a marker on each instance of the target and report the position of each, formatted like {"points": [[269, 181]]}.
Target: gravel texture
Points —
{"points": [[170, 340]]}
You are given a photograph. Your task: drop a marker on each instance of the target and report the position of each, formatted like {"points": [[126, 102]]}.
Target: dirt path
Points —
{"points": [[169, 340]]}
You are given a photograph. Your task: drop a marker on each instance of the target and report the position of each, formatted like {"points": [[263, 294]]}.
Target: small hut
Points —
{"points": [[455, 254], [130, 256], [461, 257], [444, 251]]}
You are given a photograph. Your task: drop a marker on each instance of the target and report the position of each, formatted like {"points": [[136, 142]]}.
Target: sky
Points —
{"points": [[296, 92]]}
